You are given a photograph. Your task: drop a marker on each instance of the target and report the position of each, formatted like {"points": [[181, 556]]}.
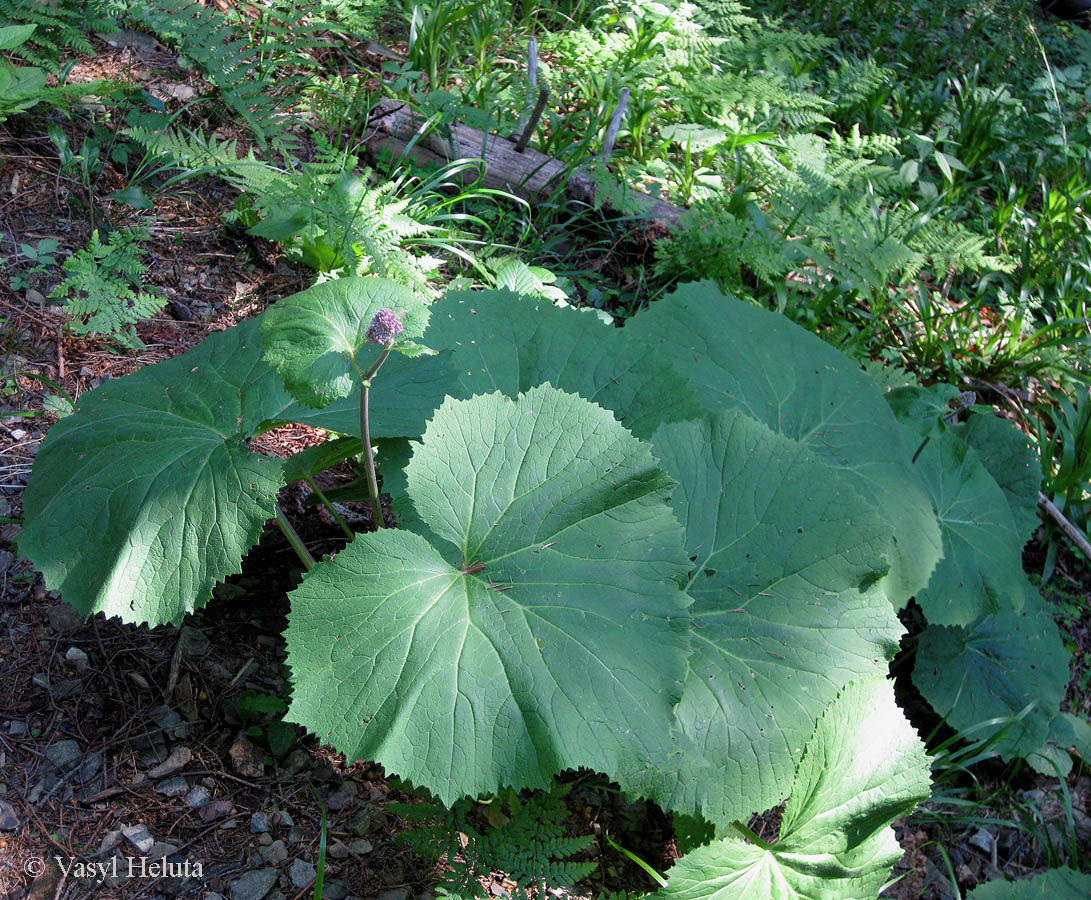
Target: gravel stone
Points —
{"points": [[172, 787], [194, 641], [259, 823], [400, 893], [178, 759], [283, 819], [333, 890], [339, 801], [109, 841], [197, 797], [77, 658], [337, 850], [139, 837], [64, 754], [254, 885], [215, 809], [246, 759], [360, 847], [9, 821], [63, 617], [301, 873], [174, 727], [275, 853], [89, 768], [62, 690]]}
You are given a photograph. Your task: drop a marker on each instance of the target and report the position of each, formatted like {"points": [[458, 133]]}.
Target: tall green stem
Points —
{"points": [[750, 836], [365, 438], [295, 540]]}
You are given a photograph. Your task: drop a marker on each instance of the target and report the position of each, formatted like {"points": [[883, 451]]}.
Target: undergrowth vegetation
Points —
{"points": [[673, 493]]}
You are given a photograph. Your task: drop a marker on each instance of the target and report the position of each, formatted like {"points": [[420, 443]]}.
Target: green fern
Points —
{"points": [[237, 67], [529, 845], [62, 25], [103, 291]]}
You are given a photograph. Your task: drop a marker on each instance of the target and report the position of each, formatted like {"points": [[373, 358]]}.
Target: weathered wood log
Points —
{"points": [[396, 129]]}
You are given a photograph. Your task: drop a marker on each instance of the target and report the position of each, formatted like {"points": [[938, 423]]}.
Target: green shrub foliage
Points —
{"points": [[672, 552]]}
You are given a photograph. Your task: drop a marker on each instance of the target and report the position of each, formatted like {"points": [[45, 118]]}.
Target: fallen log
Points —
{"points": [[397, 129]]}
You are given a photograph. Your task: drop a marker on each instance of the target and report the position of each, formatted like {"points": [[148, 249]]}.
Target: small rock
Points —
{"points": [[179, 311], [498, 891], [36, 297], [229, 825], [139, 837], [139, 680], [275, 853], [197, 797], [259, 823], [361, 822], [160, 849], [77, 658], [17, 434], [40, 680], [194, 641], [339, 801], [254, 885], [983, 840], [295, 834], [172, 787], [337, 850], [265, 839], [9, 821], [246, 759], [89, 768], [216, 809], [181, 92], [109, 841], [360, 847], [62, 690], [178, 759], [283, 819], [333, 890], [301, 873], [64, 754], [17, 728], [174, 726], [296, 761], [400, 893], [63, 617]]}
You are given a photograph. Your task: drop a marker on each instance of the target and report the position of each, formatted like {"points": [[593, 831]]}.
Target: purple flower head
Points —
{"points": [[384, 327]]}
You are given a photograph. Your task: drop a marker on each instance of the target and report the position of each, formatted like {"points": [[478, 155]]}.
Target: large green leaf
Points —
{"points": [[737, 356], [981, 571], [147, 496], [501, 341], [786, 610], [518, 645], [1067, 734], [316, 339], [996, 668], [403, 397], [1053, 884], [1006, 453], [864, 767]]}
